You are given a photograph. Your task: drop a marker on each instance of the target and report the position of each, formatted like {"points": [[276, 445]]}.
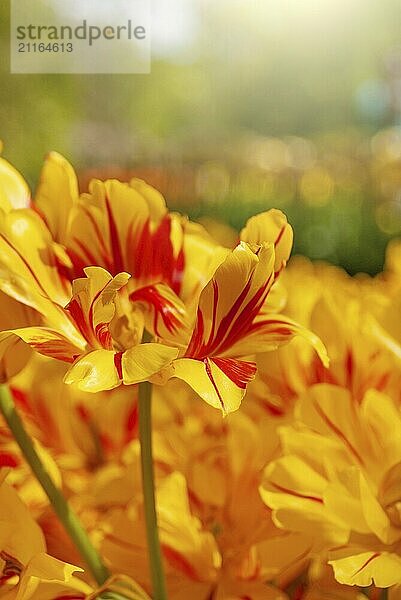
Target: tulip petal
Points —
{"points": [[140, 362], [366, 567], [29, 265], [220, 382], [93, 304], [270, 226], [125, 227], [165, 312], [14, 191], [46, 341], [269, 331], [19, 533], [56, 193], [48, 578], [231, 300], [94, 372], [14, 355]]}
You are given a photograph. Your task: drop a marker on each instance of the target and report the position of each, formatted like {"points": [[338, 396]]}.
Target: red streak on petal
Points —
{"points": [[54, 348], [142, 252], [83, 413], [338, 432], [162, 306], [21, 399], [179, 562], [215, 302], [280, 235], [107, 442], [103, 335], [89, 258], [349, 368], [230, 317], [99, 236], [117, 363], [26, 263], [75, 309], [178, 272], [383, 381], [365, 564], [8, 460], [131, 424], [319, 373], [114, 240], [275, 411], [299, 592], [210, 375], [195, 344], [281, 329], [240, 372], [296, 494], [243, 323], [233, 326], [163, 258], [153, 255]]}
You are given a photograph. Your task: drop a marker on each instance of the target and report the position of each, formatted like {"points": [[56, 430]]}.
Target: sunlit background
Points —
{"points": [[250, 104]]}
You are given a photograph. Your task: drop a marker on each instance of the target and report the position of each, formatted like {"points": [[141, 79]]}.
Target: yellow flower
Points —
{"points": [[145, 269], [338, 481], [235, 318], [14, 192], [124, 227], [26, 571], [340, 310], [217, 536]]}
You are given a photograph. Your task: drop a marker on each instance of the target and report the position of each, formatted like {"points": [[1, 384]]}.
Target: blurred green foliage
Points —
{"points": [[234, 70]]}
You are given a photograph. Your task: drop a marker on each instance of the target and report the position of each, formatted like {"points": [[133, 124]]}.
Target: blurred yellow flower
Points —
{"points": [[26, 571], [338, 482]]}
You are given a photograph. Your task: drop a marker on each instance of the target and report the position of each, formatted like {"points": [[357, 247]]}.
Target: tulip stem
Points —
{"points": [[60, 505], [148, 484]]}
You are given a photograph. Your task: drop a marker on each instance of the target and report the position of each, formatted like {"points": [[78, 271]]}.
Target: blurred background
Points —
{"points": [[294, 104]]}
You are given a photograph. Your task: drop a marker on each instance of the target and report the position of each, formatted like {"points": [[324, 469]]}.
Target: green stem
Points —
{"points": [[65, 513], [145, 437]]}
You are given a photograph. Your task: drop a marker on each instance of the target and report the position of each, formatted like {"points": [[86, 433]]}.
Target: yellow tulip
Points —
{"points": [[338, 481]]}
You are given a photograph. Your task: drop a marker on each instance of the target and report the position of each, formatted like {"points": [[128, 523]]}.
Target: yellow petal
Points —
{"points": [[153, 198], [14, 355], [46, 578], [329, 410], [94, 372], [56, 193], [106, 227], [24, 538], [231, 300], [14, 192], [48, 342], [220, 382], [202, 257], [29, 266], [190, 549], [363, 567], [270, 226], [140, 362], [294, 490], [268, 331], [92, 305]]}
